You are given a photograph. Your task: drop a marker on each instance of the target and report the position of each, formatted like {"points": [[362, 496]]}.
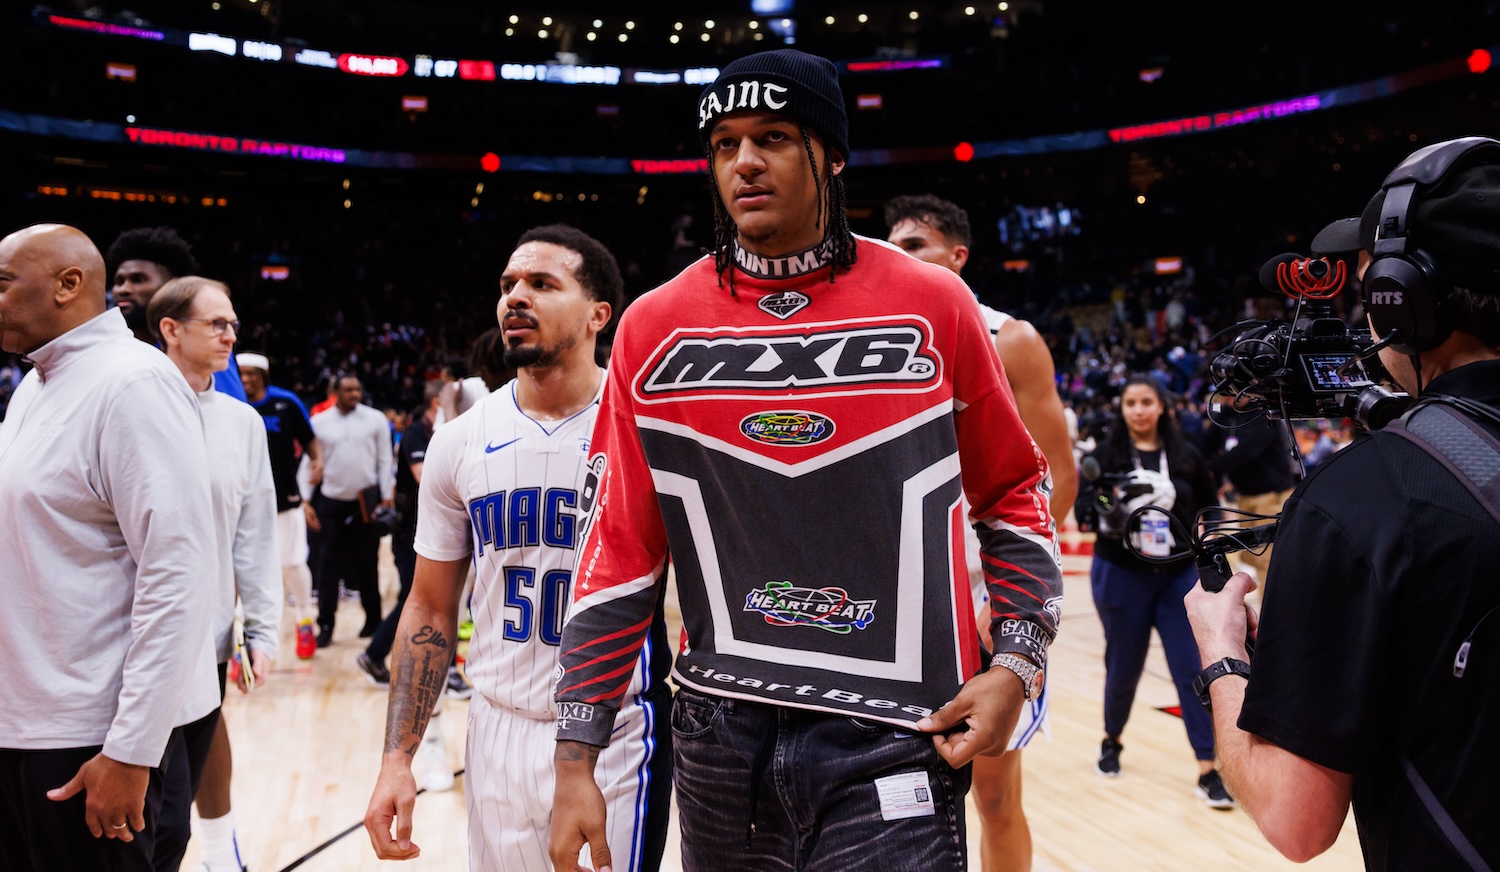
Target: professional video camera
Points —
{"points": [[1105, 497], [1315, 366]]}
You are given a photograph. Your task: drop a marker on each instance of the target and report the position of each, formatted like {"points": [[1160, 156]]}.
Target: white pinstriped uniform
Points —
{"points": [[503, 489], [1035, 713]]}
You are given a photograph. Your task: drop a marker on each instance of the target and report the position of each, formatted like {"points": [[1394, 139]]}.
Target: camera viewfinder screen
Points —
{"points": [[1323, 372]]}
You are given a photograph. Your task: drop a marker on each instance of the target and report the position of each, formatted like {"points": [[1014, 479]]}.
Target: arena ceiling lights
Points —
{"points": [[429, 66]]}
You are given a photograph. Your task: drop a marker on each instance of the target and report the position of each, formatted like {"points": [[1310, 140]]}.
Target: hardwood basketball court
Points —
{"points": [[307, 750]]}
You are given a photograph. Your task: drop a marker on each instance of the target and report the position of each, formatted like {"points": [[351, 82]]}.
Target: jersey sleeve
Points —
{"points": [[620, 568], [300, 422], [1007, 483], [442, 516]]}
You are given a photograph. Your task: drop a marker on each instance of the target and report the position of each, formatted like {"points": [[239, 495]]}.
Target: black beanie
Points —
{"points": [[784, 81]]}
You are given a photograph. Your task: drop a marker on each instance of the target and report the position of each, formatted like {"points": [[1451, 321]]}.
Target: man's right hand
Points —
{"points": [[394, 797], [114, 796], [312, 517], [578, 810]]}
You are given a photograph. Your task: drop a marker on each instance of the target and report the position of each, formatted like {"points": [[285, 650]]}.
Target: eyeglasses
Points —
{"points": [[218, 325]]}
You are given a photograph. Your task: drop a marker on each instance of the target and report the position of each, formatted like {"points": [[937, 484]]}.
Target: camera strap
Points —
{"points": [[1439, 426]]}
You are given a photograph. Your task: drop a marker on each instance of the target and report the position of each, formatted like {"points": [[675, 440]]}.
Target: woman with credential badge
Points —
{"points": [[1144, 460]]}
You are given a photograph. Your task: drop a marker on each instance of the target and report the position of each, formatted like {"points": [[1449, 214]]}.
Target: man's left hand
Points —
{"points": [[1222, 621], [980, 720], [260, 666], [114, 795]]}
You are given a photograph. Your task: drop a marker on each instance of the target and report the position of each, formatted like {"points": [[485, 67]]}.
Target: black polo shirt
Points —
{"points": [[1384, 564]]}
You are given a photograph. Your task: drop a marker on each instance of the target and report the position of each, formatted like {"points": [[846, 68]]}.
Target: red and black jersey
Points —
{"points": [[805, 468]]}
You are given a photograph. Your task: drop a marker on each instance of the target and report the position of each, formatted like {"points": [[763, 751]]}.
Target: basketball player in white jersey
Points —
{"points": [[504, 486], [937, 231]]}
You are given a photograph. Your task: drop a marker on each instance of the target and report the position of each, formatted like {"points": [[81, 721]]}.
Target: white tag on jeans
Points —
{"points": [[907, 795]]}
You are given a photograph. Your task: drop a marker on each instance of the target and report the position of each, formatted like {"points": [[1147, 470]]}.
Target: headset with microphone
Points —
{"points": [[1403, 287]]}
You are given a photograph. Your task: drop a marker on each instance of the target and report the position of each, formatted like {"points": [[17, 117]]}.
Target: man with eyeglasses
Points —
{"points": [[357, 455], [193, 320], [143, 259]]}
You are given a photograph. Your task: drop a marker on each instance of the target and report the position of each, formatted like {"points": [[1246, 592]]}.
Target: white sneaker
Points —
{"points": [[430, 765]]}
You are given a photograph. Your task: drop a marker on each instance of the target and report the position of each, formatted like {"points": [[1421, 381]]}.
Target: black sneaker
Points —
{"points": [[458, 688], [1211, 791], [376, 672], [1109, 758], [325, 637]]}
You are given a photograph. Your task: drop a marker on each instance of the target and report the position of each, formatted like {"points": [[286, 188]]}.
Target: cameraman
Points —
{"points": [[1384, 570]]}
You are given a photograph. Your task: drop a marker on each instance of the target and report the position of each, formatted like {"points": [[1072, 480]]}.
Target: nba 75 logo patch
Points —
{"points": [[827, 608], [893, 355]]}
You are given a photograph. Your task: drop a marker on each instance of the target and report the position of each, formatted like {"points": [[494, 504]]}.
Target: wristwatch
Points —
{"points": [[1215, 671], [1032, 677]]}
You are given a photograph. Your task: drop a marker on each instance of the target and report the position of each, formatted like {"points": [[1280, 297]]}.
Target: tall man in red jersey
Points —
{"points": [[798, 419]]}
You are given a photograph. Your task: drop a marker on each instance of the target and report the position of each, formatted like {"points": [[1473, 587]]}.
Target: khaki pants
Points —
{"points": [[1261, 504]]}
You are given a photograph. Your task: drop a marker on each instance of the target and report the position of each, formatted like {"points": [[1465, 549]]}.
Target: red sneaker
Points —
{"points": [[307, 643]]}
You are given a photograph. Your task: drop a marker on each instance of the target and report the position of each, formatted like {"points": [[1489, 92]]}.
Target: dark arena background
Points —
{"points": [[358, 174]]}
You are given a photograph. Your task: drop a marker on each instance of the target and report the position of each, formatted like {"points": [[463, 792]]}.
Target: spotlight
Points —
{"points": [[912, 15], [677, 26], [709, 24], [542, 34], [754, 24], [828, 20], [863, 18], [592, 36], [547, 21], [704, 37], [515, 19], [624, 37], [673, 39], [630, 25]]}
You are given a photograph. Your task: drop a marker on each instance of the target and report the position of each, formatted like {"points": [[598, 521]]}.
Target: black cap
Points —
{"points": [[1338, 239], [784, 81], [1456, 221]]}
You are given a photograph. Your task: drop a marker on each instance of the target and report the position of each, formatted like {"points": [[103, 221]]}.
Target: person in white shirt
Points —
{"points": [[489, 372], [357, 455], [108, 537], [193, 319]]}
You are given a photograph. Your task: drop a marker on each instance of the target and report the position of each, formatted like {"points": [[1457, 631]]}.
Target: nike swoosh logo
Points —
{"points": [[491, 449]]}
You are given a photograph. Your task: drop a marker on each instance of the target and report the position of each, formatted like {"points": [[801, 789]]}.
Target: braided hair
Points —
{"points": [[833, 215]]}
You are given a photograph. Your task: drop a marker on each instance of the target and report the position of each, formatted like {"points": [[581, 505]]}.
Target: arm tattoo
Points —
{"points": [[568, 752], [421, 672], [428, 636]]}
